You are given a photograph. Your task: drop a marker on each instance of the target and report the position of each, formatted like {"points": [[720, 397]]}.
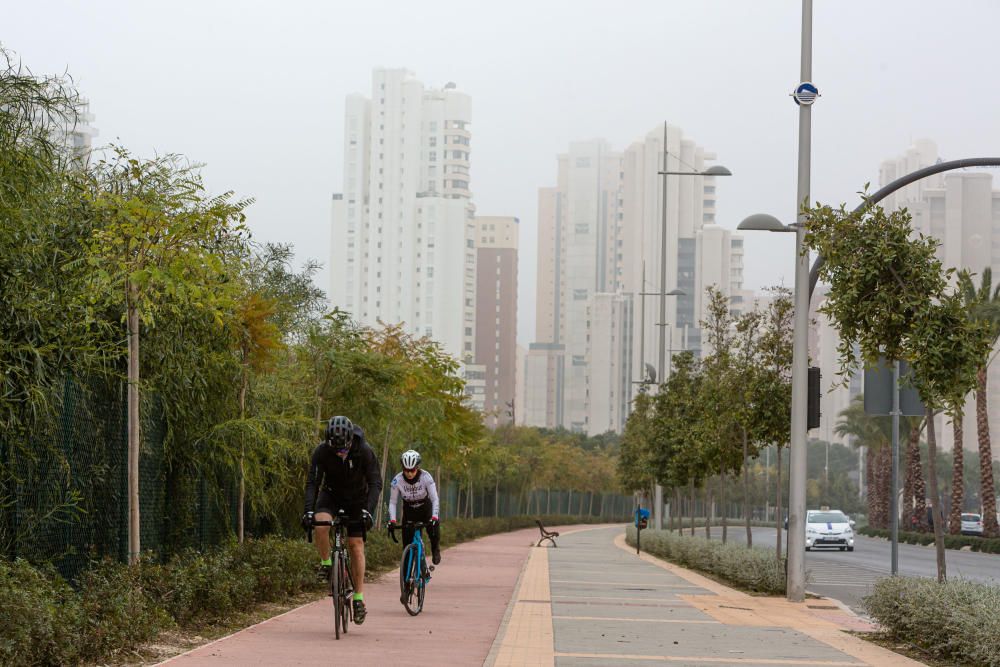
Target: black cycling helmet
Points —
{"points": [[339, 433]]}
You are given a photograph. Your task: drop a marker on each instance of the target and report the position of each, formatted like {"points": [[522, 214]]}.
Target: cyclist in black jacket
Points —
{"points": [[343, 475]]}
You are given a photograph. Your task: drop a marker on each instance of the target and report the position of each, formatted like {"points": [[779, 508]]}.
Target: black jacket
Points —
{"points": [[355, 480]]}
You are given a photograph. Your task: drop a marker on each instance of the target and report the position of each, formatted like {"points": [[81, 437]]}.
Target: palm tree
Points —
{"points": [[871, 433], [957, 479], [984, 306]]}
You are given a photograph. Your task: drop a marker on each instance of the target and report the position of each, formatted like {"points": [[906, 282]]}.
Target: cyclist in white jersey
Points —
{"points": [[420, 501]]}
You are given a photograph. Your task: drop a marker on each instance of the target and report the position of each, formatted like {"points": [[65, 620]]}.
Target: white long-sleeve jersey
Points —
{"points": [[414, 493]]}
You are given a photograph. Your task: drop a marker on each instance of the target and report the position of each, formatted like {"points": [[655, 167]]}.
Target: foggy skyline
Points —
{"points": [[256, 92]]}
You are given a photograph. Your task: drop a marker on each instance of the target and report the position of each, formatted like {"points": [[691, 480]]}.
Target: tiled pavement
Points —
{"points": [[593, 601]]}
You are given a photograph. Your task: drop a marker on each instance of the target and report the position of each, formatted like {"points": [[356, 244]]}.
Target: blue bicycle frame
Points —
{"points": [[413, 571]]}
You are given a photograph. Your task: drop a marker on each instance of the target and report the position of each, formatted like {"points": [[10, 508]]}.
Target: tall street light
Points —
{"points": [[715, 170], [805, 95]]}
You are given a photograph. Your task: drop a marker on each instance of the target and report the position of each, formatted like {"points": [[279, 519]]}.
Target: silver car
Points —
{"points": [[829, 528], [972, 524]]}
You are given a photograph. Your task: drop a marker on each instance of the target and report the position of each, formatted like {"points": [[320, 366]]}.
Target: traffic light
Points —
{"points": [[812, 401]]}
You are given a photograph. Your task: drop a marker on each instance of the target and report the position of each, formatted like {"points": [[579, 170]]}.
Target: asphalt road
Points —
{"points": [[848, 576]]}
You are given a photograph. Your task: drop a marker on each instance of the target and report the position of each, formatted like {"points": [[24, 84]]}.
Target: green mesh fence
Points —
{"points": [[64, 489], [489, 501]]}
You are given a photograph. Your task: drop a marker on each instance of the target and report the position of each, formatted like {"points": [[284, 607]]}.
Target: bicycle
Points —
{"points": [[340, 580], [414, 573]]}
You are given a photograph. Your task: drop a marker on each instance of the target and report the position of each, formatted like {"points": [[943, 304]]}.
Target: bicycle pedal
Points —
{"points": [[431, 568]]}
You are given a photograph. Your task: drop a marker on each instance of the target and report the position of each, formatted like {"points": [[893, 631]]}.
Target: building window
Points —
{"points": [[579, 295], [468, 331], [582, 228], [583, 162]]}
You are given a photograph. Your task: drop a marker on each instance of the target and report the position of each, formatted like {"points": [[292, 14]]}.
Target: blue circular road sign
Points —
{"points": [[805, 94]]}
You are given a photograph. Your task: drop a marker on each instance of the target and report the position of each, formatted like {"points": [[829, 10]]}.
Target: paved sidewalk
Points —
{"points": [[465, 605], [592, 601]]}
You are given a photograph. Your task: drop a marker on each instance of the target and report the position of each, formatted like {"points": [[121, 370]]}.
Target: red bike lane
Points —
{"points": [[465, 605]]}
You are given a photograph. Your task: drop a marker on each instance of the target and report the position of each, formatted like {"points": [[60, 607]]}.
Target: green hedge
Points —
{"points": [[114, 607], [990, 545], [755, 569], [955, 621]]}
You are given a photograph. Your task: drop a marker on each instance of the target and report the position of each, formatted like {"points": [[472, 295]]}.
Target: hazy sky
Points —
{"points": [[256, 91]]}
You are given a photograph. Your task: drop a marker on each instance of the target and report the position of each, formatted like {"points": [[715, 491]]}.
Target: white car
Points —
{"points": [[829, 528], [972, 524]]}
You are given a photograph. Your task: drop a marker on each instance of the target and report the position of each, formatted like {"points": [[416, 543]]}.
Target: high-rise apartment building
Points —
{"points": [[403, 241], [496, 314], [578, 230], [698, 252], [598, 250]]}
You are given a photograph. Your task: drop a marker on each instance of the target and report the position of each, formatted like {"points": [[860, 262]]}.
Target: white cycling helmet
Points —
{"points": [[410, 459]]}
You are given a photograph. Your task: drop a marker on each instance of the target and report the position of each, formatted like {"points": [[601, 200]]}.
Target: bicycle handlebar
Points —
{"points": [[340, 519]]}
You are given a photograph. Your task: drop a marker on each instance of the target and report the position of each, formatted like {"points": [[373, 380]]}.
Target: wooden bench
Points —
{"points": [[546, 535]]}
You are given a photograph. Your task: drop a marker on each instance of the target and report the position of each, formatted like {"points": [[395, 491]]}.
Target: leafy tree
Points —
{"points": [[889, 296], [156, 236]]}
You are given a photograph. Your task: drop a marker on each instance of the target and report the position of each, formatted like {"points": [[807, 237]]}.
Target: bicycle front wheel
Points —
{"points": [[413, 598], [404, 573], [335, 584]]}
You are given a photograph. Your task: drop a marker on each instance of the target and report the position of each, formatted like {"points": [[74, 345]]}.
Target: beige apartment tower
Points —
{"points": [[496, 315]]}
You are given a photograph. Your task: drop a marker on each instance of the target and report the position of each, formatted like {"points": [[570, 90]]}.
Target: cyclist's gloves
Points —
{"points": [[307, 520], [367, 518], [435, 521]]}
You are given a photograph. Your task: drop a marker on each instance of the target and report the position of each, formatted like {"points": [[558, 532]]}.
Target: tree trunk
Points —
{"points": [[132, 309], [722, 501], [919, 484], [957, 477], [708, 509], [569, 503], [883, 490], [691, 491], [914, 494], [778, 518], [496, 497], [240, 524], [590, 505], [548, 500], [987, 493], [869, 469], [938, 514], [471, 499], [439, 480], [385, 460], [746, 489], [680, 512]]}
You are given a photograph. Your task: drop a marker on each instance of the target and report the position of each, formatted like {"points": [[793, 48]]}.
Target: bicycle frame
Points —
{"points": [[418, 540], [339, 553]]}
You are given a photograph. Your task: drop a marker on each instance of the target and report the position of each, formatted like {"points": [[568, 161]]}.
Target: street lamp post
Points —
{"points": [[715, 170], [805, 94]]}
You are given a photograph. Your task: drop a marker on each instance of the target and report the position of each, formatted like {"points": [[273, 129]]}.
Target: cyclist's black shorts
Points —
{"points": [[331, 505]]}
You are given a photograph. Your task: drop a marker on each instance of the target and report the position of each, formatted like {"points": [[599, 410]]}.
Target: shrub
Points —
{"points": [[755, 569], [117, 607], [956, 620], [118, 613], [40, 616], [990, 545]]}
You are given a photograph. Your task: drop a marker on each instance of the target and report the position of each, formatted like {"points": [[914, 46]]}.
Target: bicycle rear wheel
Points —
{"points": [[336, 576]]}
